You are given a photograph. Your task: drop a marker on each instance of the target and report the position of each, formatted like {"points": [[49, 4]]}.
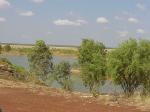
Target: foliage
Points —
{"points": [[144, 51], [40, 60], [0, 49], [92, 61], [126, 64], [62, 75], [16, 71], [7, 48], [20, 73], [5, 61]]}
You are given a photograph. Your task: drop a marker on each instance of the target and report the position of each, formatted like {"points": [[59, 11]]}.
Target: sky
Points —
{"points": [[67, 22]]}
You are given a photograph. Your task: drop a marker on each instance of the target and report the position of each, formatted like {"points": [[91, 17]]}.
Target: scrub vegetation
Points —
{"points": [[128, 66]]}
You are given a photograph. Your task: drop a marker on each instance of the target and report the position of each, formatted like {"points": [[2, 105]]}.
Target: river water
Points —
{"points": [[108, 87]]}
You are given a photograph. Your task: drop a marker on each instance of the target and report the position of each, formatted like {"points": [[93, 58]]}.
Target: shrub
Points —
{"points": [[14, 71], [20, 73], [40, 60], [127, 65], [144, 51], [62, 75], [92, 62]]}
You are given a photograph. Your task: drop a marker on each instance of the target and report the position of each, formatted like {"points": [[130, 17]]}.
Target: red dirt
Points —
{"points": [[22, 100]]}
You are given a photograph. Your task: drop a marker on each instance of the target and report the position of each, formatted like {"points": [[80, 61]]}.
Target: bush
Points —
{"points": [[15, 71], [92, 61], [127, 65], [7, 48], [40, 60], [62, 75], [144, 51], [20, 73]]}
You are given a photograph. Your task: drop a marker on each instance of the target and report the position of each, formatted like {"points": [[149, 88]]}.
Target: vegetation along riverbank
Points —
{"points": [[127, 66]]}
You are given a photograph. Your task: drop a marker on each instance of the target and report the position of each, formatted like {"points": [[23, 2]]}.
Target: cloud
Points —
{"points": [[27, 13], [4, 3], [140, 6], [102, 20], [2, 19], [123, 33], [38, 1], [66, 22], [140, 31], [133, 20]]}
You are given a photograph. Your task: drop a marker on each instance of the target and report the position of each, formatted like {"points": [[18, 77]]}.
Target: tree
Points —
{"points": [[144, 51], [92, 61], [62, 74], [127, 66], [40, 60], [7, 48]]}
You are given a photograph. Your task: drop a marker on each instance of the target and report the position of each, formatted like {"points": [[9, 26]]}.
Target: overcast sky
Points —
{"points": [[69, 21]]}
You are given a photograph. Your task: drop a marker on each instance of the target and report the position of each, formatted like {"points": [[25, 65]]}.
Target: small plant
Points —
{"points": [[20, 73], [62, 75]]}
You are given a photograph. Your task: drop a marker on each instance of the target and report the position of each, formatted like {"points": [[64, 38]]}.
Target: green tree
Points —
{"points": [[40, 60], [62, 74], [144, 51], [7, 48], [92, 61], [127, 66]]}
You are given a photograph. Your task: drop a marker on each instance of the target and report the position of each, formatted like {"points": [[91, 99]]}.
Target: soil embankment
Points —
{"points": [[28, 97]]}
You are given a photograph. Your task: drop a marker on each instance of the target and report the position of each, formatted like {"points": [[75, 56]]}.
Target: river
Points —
{"points": [[107, 88]]}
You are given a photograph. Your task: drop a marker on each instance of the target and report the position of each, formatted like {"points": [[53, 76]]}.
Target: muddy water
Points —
{"points": [[108, 87]]}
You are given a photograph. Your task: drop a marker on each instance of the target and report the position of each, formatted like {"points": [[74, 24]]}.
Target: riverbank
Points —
{"points": [[21, 60], [29, 97], [25, 54], [54, 51]]}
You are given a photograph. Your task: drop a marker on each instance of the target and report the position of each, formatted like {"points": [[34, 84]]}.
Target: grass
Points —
{"points": [[55, 51]]}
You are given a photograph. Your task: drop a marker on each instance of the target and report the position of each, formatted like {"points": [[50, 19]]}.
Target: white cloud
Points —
{"points": [[140, 31], [102, 20], [66, 22], [27, 13], [2, 19], [140, 6], [133, 20], [38, 1], [4, 3], [123, 33]]}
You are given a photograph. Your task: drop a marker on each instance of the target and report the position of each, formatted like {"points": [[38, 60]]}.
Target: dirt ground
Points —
{"points": [[23, 98]]}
